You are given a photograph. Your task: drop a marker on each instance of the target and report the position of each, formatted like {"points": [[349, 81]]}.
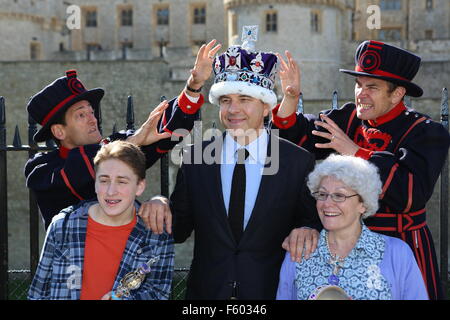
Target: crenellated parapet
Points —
{"points": [[341, 4]]}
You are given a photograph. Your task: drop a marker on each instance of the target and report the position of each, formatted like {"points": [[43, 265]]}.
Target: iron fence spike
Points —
{"points": [[2, 122], [444, 107], [2, 110], [130, 113], [300, 104], [335, 100], [164, 168], [17, 142], [407, 102]]}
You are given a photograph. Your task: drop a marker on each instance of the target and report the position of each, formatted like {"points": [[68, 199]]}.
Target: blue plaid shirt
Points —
{"points": [[60, 269]]}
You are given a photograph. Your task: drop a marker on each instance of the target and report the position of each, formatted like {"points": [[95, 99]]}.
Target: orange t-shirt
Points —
{"points": [[103, 252]]}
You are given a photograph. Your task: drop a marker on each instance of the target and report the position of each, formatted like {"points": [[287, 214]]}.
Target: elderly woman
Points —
{"points": [[350, 257]]}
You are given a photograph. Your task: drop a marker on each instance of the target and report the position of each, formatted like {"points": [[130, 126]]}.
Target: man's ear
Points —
{"points": [[58, 131], [266, 109], [398, 94]]}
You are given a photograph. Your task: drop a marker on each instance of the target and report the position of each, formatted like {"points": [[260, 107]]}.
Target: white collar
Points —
{"points": [[257, 149]]}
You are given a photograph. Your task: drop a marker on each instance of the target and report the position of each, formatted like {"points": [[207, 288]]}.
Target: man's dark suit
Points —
{"points": [[283, 203]]}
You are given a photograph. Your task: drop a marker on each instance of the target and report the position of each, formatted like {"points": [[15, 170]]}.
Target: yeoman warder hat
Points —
{"points": [[52, 101], [382, 61]]}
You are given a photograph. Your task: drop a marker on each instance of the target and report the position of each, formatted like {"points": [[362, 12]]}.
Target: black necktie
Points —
{"points": [[237, 197]]}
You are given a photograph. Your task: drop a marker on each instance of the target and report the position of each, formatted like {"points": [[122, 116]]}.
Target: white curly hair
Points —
{"points": [[356, 173]]}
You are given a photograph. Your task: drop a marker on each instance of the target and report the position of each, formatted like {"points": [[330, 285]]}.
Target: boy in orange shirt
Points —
{"points": [[90, 247]]}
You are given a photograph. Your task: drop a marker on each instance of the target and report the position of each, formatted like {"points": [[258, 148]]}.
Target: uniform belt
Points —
{"points": [[397, 222]]}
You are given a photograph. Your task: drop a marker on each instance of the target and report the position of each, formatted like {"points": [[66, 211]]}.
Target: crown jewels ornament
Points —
{"points": [[249, 37]]}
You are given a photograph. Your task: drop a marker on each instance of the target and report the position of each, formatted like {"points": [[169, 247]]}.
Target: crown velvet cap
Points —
{"points": [[386, 62], [246, 72], [48, 104]]}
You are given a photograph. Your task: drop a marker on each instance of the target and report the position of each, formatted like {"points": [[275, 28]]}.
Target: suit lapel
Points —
{"points": [[267, 188], [213, 183]]}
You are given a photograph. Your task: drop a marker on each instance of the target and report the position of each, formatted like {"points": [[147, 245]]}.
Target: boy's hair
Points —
{"points": [[125, 152]]}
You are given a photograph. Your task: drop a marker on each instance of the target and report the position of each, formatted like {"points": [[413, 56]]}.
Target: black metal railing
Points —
{"points": [[180, 274]]}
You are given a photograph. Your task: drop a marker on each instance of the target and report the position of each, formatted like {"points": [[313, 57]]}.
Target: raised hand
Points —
{"points": [[203, 64], [290, 85], [289, 75]]}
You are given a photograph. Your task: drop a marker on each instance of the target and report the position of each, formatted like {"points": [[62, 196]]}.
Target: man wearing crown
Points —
{"points": [[239, 209], [408, 147], [66, 110]]}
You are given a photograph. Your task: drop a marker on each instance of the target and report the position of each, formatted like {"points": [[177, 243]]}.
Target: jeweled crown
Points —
{"points": [[243, 65]]}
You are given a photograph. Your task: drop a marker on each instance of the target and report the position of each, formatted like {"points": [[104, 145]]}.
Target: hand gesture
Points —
{"points": [[339, 141], [290, 76], [203, 64], [148, 132]]}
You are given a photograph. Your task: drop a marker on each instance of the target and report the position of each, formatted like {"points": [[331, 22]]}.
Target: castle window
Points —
{"points": [[199, 15], [393, 34], [428, 34], [91, 18], [271, 21], [35, 51], [162, 16], [391, 4], [93, 47], [316, 21], [126, 17], [126, 45], [429, 4]]}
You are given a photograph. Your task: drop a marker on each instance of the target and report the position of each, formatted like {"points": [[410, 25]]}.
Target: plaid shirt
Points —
{"points": [[60, 269]]}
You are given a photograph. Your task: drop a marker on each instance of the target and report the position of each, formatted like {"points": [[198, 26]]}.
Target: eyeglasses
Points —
{"points": [[336, 197]]}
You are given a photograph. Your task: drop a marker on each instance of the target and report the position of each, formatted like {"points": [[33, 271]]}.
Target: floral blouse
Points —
{"points": [[378, 268]]}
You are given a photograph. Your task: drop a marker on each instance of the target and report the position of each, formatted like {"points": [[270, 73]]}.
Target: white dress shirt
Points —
{"points": [[254, 166]]}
